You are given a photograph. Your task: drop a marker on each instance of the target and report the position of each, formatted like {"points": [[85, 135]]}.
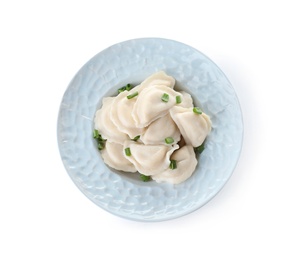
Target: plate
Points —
{"points": [[132, 61]]}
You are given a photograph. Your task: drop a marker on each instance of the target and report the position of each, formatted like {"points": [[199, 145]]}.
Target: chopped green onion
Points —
{"points": [[165, 97], [132, 95], [173, 164], [127, 151], [100, 141], [169, 140], [200, 148], [197, 110], [144, 177], [95, 133], [101, 146], [121, 89], [178, 99], [128, 87], [136, 138]]}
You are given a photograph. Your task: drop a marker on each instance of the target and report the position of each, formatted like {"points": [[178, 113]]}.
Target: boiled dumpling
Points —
{"points": [[149, 105], [160, 129], [117, 112], [104, 124], [158, 78], [149, 159], [194, 127], [121, 114], [186, 162], [113, 156]]}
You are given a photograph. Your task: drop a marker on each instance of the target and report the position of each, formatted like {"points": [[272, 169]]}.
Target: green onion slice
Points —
{"points": [[169, 140], [197, 110], [132, 95], [127, 151], [128, 87], [101, 145], [121, 89], [173, 164], [165, 97], [95, 133], [100, 141], [200, 148], [136, 138], [178, 99], [144, 177]]}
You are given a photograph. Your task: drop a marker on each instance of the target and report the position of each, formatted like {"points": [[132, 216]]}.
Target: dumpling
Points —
{"points": [[113, 156], [104, 124], [158, 78], [149, 105], [149, 159], [193, 127], [186, 162], [121, 114], [161, 128]]}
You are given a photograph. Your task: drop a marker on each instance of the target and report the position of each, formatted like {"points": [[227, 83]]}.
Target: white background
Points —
{"points": [[257, 214]]}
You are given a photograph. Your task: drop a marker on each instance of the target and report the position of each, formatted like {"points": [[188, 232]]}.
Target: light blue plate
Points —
{"points": [[131, 62]]}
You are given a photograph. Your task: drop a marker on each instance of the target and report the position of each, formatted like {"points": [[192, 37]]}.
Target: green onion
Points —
{"points": [[128, 87], [165, 97], [121, 89], [173, 164], [136, 138], [144, 177], [127, 151], [132, 95], [197, 110], [169, 140], [100, 141], [101, 146], [178, 99], [95, 133], [200, 148]]}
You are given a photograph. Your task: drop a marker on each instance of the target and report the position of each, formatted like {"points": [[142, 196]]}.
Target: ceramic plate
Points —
{"points": [[131, 62]]}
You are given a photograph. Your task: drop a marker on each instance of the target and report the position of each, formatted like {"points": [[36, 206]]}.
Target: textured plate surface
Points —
{"points": [[131, 62]]}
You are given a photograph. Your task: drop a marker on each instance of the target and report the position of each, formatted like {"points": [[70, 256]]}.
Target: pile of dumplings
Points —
{"points": [[150, 126]]}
